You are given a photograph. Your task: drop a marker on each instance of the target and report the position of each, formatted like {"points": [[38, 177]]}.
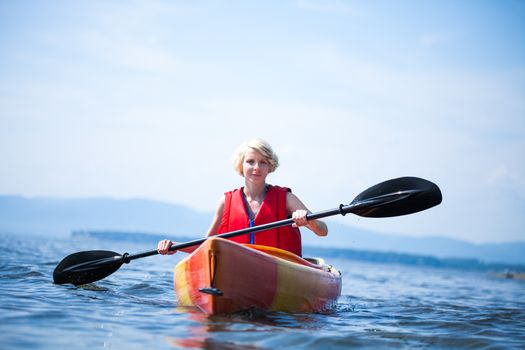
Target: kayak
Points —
{"points": [[224, 277]]}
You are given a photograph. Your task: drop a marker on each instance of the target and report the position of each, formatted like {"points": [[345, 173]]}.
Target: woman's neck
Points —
{"points": [[255, 191]]}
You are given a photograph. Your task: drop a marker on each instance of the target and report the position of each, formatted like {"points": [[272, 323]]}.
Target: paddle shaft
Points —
{"points": [[263, 227], [342, 209]]}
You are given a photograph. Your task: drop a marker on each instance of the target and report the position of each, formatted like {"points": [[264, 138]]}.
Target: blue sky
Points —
{"points": [[150, 98]]}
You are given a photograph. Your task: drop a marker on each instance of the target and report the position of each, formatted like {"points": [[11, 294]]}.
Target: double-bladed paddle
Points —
{"points": [[401, 196]]}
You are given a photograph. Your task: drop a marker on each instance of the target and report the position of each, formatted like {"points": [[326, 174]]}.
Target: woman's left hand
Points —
{"points": [[299, 218]]}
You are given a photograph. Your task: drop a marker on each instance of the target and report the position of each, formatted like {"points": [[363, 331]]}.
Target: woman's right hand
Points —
{"points": [[164, 247]]}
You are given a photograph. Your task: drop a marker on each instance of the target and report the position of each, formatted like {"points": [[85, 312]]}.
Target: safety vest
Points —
{"points": [[235, 217]]}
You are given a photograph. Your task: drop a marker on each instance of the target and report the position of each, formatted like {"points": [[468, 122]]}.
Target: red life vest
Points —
{"points": [[235, 217]]}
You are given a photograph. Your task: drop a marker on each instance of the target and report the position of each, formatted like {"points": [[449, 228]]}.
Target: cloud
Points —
{"points": [[506, 176], [428, 40], [129, 53]]}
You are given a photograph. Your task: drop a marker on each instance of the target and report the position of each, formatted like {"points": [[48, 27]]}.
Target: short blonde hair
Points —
{"points": [[259, 145]]}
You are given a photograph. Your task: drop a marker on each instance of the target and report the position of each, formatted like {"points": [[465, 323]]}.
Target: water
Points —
{"points": [[382, 306]]}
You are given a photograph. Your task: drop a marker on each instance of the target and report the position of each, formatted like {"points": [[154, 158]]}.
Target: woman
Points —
{"points": [[258, 203]]}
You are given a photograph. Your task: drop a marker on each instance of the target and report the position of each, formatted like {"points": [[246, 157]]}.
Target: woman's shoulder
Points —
{"points": [[284, 191], [280, 188], [231, 192]]}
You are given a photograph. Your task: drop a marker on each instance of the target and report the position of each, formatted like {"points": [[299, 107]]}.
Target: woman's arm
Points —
{"points": [[217, 218], [164, 245], [299, 212]]}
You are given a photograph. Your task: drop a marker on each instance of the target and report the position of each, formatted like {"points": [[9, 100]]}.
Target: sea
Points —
{"points": [[381, 306]]}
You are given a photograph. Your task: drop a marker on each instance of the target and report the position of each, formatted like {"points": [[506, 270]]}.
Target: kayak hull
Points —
{"points": [[223, 277]]}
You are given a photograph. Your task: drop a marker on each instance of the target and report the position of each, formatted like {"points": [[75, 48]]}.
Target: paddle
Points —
{"points": [[401, 196]]}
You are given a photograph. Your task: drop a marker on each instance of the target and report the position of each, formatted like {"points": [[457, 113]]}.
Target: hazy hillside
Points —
{"points": [[355, 238], [59, 217], [51, 216]]}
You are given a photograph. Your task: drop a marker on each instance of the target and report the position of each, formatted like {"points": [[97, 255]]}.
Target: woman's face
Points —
{"points": [[255, 166]]}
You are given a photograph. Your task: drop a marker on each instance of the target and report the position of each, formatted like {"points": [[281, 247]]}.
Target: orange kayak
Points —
{"points": [[223, 277]]}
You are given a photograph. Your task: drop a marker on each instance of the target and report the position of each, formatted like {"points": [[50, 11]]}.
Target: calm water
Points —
{"points": [[382, 306]]}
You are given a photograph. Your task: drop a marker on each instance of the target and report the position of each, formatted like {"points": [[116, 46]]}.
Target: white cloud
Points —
{"points": [[429, 40], [132, 54]]}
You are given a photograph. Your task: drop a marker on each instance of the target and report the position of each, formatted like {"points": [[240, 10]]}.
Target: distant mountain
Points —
{"points": [[59, 217], [351, 237]]}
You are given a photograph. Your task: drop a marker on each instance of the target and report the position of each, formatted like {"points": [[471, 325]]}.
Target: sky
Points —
{"points": [[149, 99]]}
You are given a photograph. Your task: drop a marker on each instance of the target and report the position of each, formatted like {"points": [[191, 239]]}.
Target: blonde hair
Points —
{"points": [[259, 145]]}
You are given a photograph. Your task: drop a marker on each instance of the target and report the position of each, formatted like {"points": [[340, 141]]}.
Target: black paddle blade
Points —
{"points": [[401, 196], [86, 267]]}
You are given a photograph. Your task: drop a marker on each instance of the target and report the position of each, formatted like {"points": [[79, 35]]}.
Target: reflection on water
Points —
{"points": [[256, 327], [382, 306]]}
